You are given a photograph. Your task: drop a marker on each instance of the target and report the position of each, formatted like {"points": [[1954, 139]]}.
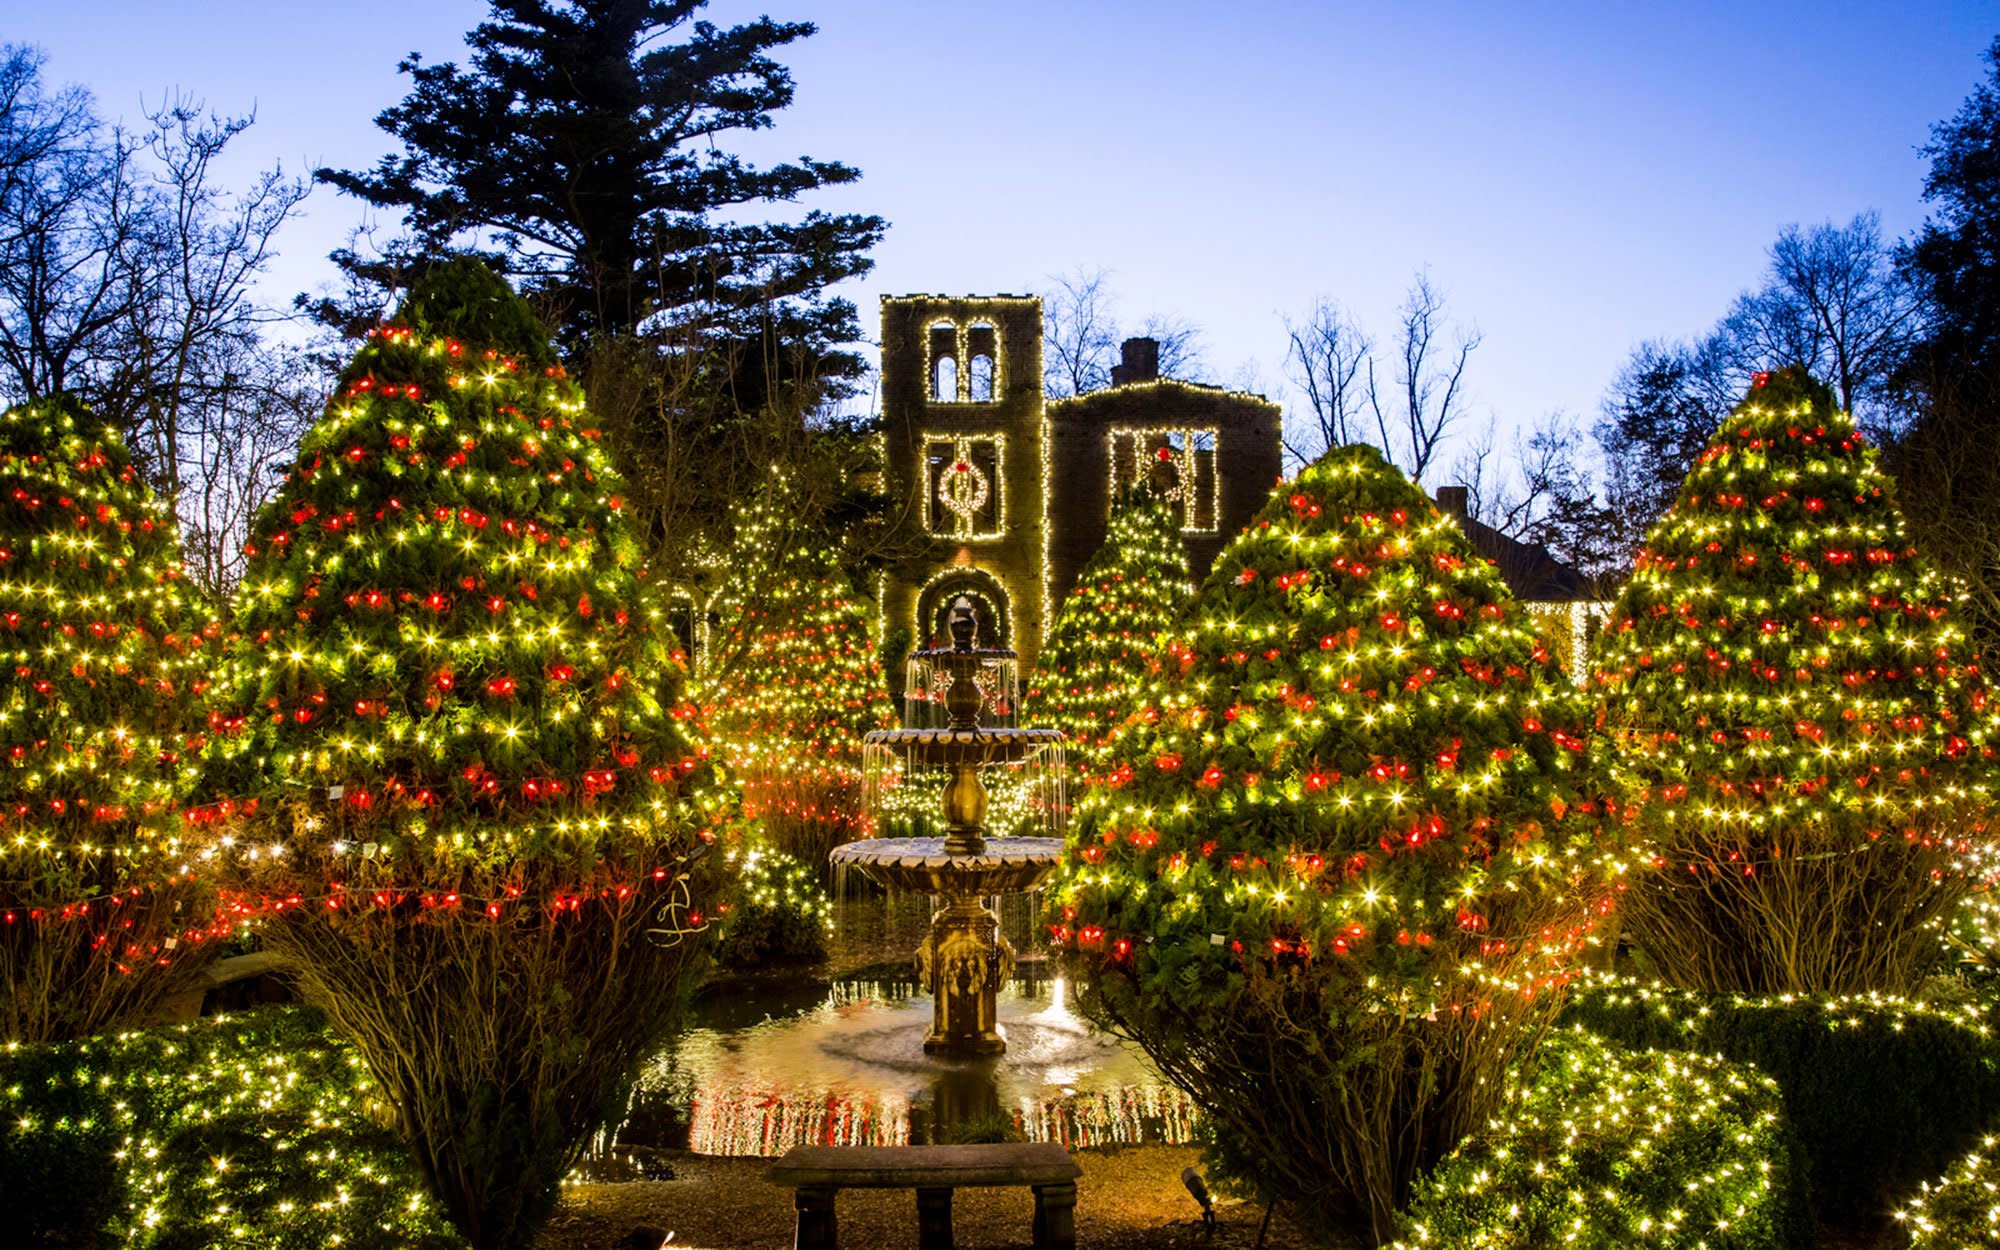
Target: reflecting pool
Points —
{"points": [[840, 1061]]}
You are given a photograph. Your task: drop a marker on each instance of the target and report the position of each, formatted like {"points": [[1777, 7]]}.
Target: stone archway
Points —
{"points": [[989, 600]]}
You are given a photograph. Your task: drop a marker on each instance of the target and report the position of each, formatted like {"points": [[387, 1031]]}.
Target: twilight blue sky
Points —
{"points": [[1577, 177]]}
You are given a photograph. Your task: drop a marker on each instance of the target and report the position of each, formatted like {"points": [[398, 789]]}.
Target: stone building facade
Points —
{"points": [[1015, 492]]}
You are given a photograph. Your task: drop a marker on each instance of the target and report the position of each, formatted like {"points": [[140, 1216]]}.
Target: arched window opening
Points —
{"points": [[943, 347], [989, 602], [982, 349]]}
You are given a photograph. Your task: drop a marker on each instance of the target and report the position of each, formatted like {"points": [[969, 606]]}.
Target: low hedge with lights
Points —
{"points": [[245, 1130], [1606, 1148], [1960, 1210], [1883, 1091], [779, 915]]}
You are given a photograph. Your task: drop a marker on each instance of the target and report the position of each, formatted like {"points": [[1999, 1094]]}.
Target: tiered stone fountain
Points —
{"points": [[964, 960]]}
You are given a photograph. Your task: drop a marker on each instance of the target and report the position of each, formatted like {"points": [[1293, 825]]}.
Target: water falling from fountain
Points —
{"points": [[965, 958]]}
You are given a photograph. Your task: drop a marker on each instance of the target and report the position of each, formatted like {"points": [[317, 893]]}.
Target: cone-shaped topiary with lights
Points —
{"points": [[1092, 668], [459, 743], [1339, 884], [105, 653], [1801, 729], [792, 680]]}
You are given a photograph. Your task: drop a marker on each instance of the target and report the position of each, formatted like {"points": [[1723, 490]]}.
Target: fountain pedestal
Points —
{"points": [[963, 962]]}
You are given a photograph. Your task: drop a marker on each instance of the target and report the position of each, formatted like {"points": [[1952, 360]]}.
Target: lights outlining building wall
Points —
{"points": [[1017, 493], [962, 426]]}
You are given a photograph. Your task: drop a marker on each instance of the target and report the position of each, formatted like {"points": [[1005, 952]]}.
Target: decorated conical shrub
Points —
{"points": [[458, 749], [1339, 885], [792, 681], [104, 656], [1801, 729], [1093, 667]]}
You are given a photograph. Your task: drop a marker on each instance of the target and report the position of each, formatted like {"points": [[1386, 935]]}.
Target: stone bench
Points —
{"points": [[818, 1173]]}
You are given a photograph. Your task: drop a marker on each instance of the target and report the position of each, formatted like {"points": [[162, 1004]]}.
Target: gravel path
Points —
{"points": [[1127, 1199]]}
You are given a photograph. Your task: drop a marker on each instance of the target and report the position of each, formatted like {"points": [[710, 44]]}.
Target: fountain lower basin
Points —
{"points": [[1003, 866], [964, 959]]}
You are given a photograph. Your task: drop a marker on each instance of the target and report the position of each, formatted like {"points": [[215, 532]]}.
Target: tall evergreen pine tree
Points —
{"points": [[106, 653], [1803, 733], [1335, 888], [460, 722], [592, 148], [1092, 668]]}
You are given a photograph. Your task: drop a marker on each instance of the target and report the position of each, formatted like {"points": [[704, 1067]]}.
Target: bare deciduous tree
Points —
{"points": [[70, 206], [1833, 302], [1544, 495], [1429, 382], [1845, 278], [127, 277], [1180, 344], [1328, 359], [194, 321], [235, 447], [216, 406], [1081, 336], [1408, 415]]}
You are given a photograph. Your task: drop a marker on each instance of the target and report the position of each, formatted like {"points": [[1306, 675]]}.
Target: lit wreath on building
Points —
{"points": [[964, 489]]}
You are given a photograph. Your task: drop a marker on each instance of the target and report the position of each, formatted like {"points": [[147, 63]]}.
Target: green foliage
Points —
{"points": [[1957, 1210], [460, 714], [1601, 1148], [1090, 672], [1972, 941], [1955, 259], [243, 1131], [992, 1128], [791, 680], [1334, 889], [780, 913], [447, 616], [1881, 1091], [1950, 377], [106, 660], [590, 144], [462, 298], [1803, 734]]}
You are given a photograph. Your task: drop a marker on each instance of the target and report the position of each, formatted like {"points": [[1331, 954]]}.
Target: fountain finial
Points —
{"points": [[963, 624], [963, 700]]}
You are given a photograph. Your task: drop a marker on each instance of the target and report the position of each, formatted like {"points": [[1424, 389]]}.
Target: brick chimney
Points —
{"points": [[1452, 500], [1140, 363]]}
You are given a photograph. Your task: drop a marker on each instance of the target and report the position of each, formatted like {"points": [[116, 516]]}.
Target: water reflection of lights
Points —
{"points": [[849, 1069]]}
